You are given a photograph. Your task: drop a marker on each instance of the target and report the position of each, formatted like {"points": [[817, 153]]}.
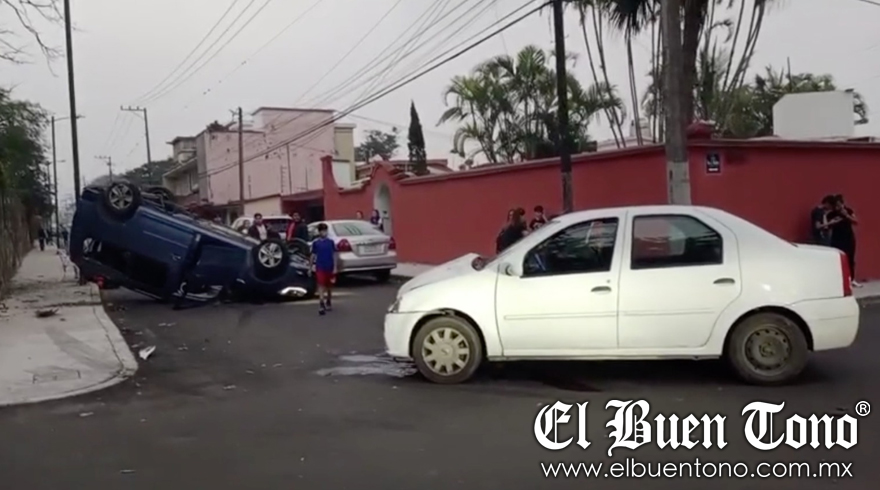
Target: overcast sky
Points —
{"points": [[125, 48]]}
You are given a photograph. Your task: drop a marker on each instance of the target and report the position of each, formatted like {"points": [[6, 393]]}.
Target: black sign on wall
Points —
{"points": [[713, 163]]}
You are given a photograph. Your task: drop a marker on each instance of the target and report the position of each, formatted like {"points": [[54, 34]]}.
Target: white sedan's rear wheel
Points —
{"points": [[447, 350], [767, 349]]}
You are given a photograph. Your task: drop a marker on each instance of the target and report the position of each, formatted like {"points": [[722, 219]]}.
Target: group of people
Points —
{"points": [[517, 227], [833, 224]]}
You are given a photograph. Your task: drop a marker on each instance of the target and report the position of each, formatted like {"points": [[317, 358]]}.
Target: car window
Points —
{"points": [[674, 241], [313, 231], [580, 248], [354, 228]]}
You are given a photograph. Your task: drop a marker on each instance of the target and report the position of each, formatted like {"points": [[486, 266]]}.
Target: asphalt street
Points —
{"points": [[273, 396]]}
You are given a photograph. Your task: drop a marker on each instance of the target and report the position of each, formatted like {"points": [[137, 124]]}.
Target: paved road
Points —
{"points": [[275, 397]]}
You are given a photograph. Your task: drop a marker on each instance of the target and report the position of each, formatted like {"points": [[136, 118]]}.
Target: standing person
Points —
{"points": [[359, 216], [324, 263], [538, 220], [513, 232], [297, 229], [65, 235], [842, 222], [258, 230], [376, 220], [821, 230]]}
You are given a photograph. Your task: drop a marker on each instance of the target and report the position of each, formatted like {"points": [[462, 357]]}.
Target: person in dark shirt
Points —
{"points": [[821, 231], [539, 219], [297, 229], [324, 263], [842, 221], [513, 232]]}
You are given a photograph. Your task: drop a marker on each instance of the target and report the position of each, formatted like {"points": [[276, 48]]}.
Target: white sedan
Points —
{"points": [[644, 282]]}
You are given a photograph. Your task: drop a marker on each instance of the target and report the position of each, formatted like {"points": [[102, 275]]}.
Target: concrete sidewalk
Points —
{"points": [[869, 291], [73, 351]]}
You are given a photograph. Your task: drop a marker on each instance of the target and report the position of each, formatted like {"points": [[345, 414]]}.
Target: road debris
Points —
{"points": [[229, 387], [146, 352], [86, 414], [46, 312], [167, 324], [126, 472]]}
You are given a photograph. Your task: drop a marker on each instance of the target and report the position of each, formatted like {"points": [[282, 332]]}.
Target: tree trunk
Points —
{"points": [[693, 24]]}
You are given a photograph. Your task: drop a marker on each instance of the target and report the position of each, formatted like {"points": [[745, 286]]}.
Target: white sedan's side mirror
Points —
{"points": [[507, 269]]}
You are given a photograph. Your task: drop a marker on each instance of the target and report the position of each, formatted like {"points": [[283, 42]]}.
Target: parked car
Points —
{"points": [[136, 240], [276, 224], [652, 282], [362, 248]]}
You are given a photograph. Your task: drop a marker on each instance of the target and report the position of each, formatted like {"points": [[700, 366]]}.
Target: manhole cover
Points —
{"points": [[49, 376]]}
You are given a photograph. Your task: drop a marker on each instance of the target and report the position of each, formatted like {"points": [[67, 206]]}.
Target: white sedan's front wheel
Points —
{"points": [[767, 349], [447, 350]]}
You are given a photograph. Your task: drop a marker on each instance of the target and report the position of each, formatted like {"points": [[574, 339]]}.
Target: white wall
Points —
{"points": [[342, 173], [270, 206], [814, 115]]}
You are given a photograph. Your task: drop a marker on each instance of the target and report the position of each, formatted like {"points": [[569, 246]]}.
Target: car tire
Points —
{"points": [[457, 343], [121, 199], [271, 259], [767, 349], [382, 276]]}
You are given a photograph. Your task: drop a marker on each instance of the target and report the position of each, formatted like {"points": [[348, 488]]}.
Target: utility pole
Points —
{"points": [[563, 145], [109, 162], [55, 177], [71, 94], [241, 159], [142, 110], [678, 182]]}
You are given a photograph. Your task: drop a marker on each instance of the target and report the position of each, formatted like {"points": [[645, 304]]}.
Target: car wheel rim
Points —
{"points": [[270, 255], [446, 351], [121, 197], [768, 349]]}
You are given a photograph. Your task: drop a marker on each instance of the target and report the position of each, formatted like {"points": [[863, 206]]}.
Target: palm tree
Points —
{"points": [[507, 106]]}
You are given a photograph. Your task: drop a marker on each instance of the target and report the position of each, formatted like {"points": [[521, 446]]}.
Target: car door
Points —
{"points": [[564, 303], [681, 271]]}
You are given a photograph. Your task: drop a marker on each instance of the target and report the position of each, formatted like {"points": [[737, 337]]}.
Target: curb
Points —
{"points": [[128, 366]]}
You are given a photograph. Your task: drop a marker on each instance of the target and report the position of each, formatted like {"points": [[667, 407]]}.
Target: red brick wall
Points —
{"points": [[773, 184]]}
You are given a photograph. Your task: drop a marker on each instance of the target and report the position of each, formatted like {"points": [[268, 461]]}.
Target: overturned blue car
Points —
{"points": [[142, 241]]}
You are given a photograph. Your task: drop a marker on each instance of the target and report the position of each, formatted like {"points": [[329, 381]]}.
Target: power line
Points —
{"points": [[870, 2], [191, 53], [188, 76], [354, 78], [374, 62], [356, 45], [396, 86], [261, 48]]}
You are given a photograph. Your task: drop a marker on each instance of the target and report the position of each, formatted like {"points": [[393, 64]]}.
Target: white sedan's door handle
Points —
{"points": [[601, 290], [724, 281]]}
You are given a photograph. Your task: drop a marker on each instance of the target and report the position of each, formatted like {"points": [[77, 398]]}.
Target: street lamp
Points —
{"points": [[55, 166]]}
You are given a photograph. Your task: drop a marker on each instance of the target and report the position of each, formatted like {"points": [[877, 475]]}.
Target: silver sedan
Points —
{"points": [[361, 247]]}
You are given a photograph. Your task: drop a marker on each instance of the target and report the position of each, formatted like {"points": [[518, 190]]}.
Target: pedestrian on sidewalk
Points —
{"points": [[324, 265], [539, 218], [513, 232], [843, 237], [819, 221]]}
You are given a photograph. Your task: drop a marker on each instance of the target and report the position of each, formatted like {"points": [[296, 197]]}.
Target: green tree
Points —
{"points": [[418, 156], [25, 12], [23, 173], [377, 143], [506, 107]]}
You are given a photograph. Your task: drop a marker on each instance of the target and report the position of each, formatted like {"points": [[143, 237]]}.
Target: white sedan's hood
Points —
{"points": [[457, 267]]}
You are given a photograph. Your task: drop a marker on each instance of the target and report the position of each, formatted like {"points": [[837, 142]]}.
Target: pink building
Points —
{"points": [[279, 177]]}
